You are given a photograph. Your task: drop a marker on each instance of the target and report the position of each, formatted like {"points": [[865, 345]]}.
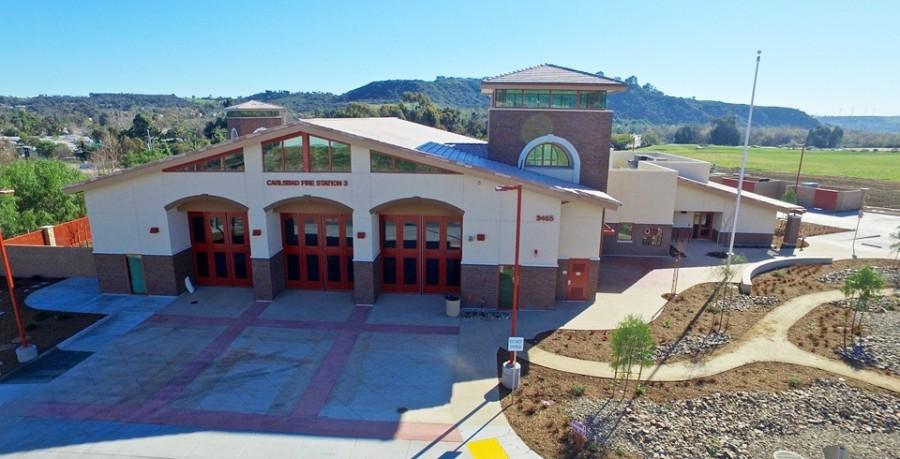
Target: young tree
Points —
{"points": [[726, 272], [859, 289], [895, 247], [632, 344]]}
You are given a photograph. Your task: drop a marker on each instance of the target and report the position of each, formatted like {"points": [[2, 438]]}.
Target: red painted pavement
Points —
{"points": [[303, 420]]}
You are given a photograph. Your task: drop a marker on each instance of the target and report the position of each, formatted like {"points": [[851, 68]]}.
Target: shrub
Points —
{"points": [[577, 390], [794, 382]]}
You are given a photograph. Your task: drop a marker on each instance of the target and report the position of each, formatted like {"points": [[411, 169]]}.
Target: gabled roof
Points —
{"points": [[405, 139], [455, 152], [731, 192], [253, 105], [554, 76]]}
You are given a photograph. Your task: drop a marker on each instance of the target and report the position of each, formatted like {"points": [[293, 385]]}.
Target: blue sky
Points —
{"points": [[825, 57]]}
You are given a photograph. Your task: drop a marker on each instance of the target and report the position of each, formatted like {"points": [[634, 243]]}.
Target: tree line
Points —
{"points": [[725, 131]]}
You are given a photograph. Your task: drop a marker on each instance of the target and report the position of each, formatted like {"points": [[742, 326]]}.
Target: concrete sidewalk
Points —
{"points": [[756, 346], [82, 295]]}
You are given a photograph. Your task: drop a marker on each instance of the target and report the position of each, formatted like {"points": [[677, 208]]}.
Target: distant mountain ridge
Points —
{"points": [[643, 104], [640, 104], [890, 124]]}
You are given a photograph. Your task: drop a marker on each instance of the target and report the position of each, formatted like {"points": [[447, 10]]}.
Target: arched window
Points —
{"points": [[548, 155]]}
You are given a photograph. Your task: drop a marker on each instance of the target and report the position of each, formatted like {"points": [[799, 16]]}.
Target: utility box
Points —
{"points": [[792, 230]]}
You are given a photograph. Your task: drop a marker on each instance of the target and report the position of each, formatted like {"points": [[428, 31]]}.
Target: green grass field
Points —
{"points": [[880, 165]]}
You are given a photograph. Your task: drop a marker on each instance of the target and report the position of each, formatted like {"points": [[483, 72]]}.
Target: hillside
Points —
{"points": [[644, 104], [889, 124], [640, 104]]}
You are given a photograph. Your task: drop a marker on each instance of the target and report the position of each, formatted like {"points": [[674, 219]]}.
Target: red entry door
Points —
{"points": [[703, 225], [422, 254], [578, 278], [220, 248], [318, 251]]}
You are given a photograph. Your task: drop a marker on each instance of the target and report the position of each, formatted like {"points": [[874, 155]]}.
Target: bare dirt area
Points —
{"points": [[541, 411], [45, 329], [689, 316], [800, 280], [822, 331], [692, 320]]}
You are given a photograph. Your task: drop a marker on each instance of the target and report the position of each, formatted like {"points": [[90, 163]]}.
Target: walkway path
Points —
{"points": [[766, 341]]}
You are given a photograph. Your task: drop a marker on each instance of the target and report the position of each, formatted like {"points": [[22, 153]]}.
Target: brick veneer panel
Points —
{"points": [[268, 276], [588, 131], [364, 281], [537, 288], [593, 285], [159, 274], [246, 126], [749, 240], [112, 273], [562, 279], [184, 267], [612, 246], [480, 285]]}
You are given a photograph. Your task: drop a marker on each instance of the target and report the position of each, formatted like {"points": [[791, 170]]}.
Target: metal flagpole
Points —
{"points": [[740, 185]]}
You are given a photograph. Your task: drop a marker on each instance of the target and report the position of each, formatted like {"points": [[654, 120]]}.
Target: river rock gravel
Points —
{"points": [[749, 424]]}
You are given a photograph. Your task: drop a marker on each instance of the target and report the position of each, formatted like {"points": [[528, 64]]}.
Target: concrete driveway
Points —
{"points": [[309, 374]]}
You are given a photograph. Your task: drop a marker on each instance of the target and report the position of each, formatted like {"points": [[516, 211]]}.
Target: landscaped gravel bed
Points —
{"points": [[748, 424], [890, 274], [740, 302], [693, 345]]}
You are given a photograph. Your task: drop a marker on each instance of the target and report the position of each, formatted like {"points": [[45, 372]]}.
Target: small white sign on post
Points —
{"points": [[516, 344]]}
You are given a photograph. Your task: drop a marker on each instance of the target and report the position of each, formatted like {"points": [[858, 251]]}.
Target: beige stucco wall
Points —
{"points": [[753, 218], [646, 194], [122, 213], [580, 231]]}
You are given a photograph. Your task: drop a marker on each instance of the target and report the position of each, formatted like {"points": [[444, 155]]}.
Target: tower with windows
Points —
{"points": [[251, 116], [552, 120]]}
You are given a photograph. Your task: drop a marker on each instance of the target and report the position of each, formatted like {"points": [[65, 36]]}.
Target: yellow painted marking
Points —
{"points": [[488, 448]]}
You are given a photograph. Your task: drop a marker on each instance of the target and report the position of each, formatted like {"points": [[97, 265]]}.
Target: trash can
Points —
{"points": [[452, 305]]}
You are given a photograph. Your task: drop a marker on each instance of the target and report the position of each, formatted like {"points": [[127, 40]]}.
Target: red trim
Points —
{"points": [[315, 277], [207, 159], [307, 163], [229, 248], [419, 252]]}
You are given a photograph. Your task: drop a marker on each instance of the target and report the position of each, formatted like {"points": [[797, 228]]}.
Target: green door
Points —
{"points": [[136, 274], [506, 287]]}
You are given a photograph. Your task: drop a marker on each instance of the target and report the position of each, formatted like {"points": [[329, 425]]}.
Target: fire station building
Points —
{"points": [[373, 205]]}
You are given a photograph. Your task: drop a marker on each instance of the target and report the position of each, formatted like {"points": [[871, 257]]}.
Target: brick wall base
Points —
{"points": [[750, 240], [364, 280], [268, 276], [164, 275], [612, 246], [537, 287], [480, 286], [112, 273]]}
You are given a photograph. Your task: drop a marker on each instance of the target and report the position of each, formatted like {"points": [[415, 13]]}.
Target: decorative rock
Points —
{"points": [[691, 345], [746, 424], [746, 302]]}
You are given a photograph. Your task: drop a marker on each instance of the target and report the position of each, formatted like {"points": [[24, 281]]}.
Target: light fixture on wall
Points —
{"points": [[154, 230], [257, 232]]}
